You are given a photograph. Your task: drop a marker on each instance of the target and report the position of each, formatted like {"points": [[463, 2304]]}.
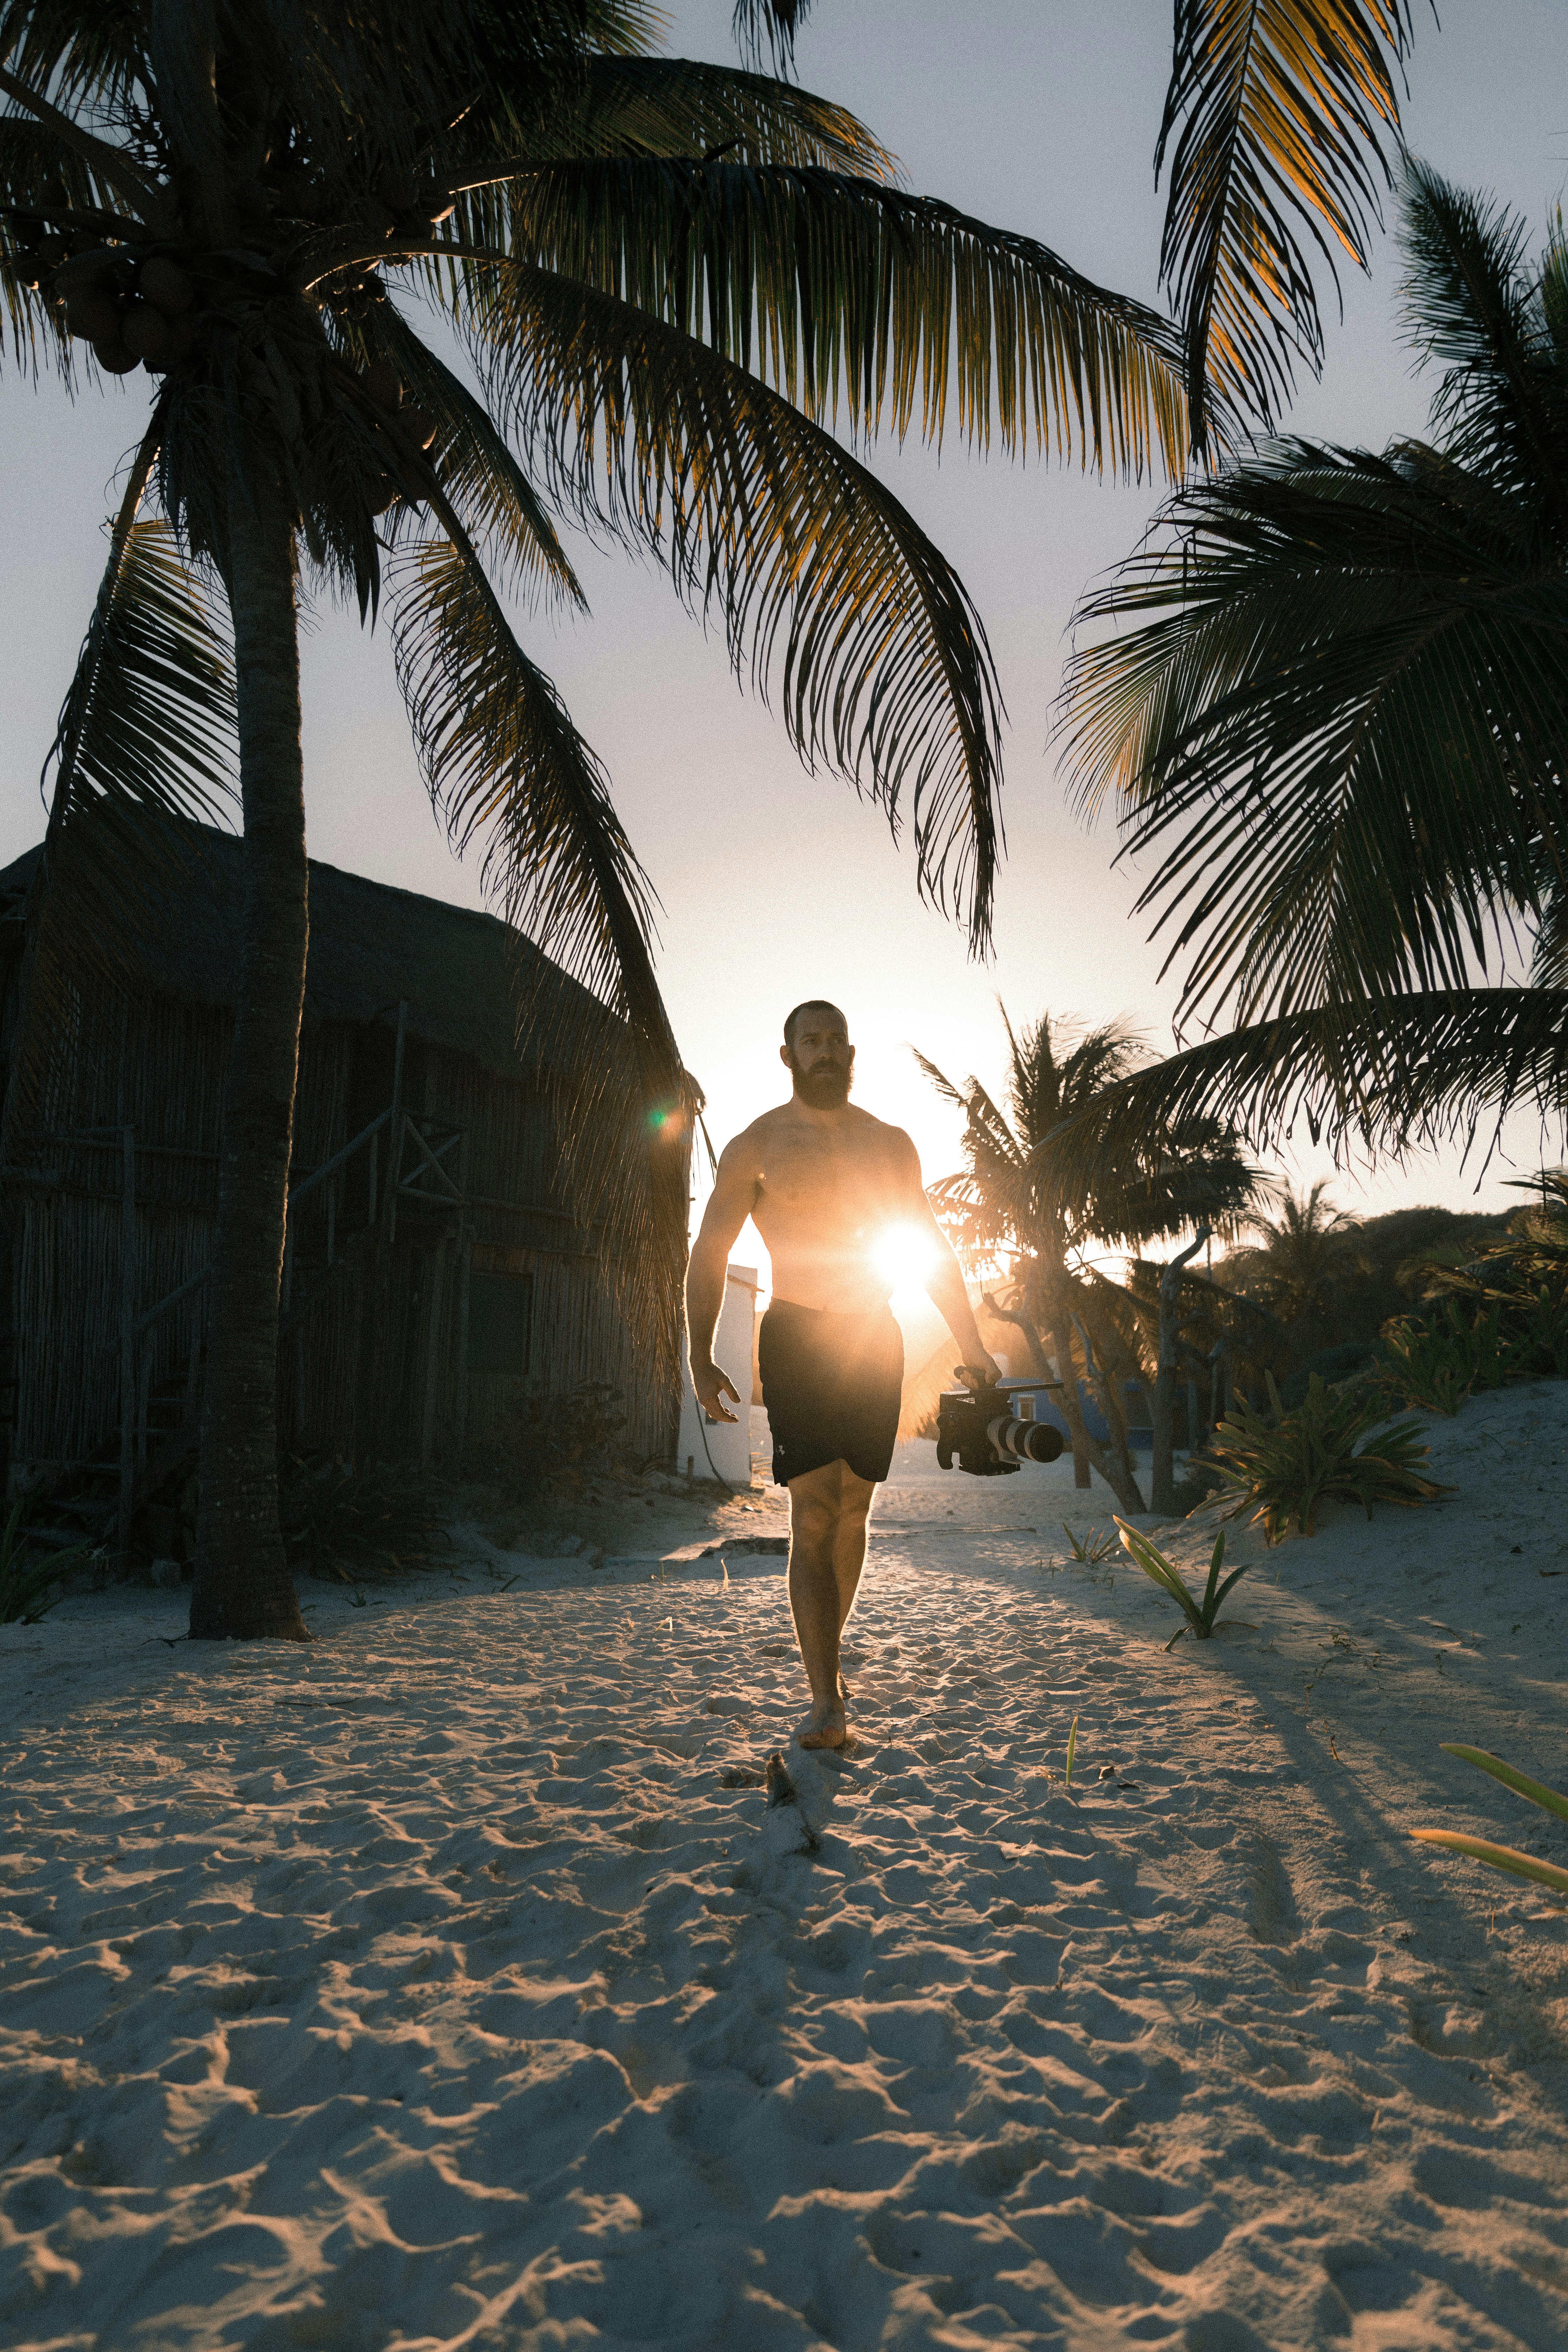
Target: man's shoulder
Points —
{"points": [[882, 1130], [752, 1138]]}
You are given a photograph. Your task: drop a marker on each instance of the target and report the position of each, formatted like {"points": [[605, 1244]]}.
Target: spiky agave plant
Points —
{"points": [[664, 275]]}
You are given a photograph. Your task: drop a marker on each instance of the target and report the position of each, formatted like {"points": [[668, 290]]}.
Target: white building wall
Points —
{"points": [[718, 1449]]}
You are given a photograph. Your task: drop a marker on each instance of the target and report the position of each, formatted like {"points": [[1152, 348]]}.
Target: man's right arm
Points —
{"points": [[731, 1202]]}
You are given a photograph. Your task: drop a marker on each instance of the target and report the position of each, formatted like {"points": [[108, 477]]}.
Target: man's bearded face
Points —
{"points": [[825, 1073]]}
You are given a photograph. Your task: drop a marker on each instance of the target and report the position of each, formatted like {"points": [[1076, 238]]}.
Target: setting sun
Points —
{"points": [[905, 1257]]}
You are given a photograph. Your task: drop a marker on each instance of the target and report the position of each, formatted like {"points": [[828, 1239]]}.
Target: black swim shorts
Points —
{"points": [[831, 1384]]}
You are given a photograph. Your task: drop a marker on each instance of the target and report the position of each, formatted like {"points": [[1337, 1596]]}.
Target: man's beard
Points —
{"points": [[825, 1087]]}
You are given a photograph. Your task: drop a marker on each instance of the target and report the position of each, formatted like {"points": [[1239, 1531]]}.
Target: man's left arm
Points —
{"points": [[944, 1284]]}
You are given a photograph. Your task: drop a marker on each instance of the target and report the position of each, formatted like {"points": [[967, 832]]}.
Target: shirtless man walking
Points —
{"points": [[827, 1183]]}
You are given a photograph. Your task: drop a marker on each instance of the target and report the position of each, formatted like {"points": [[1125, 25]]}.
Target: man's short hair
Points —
{"points": [[812, 1004]]}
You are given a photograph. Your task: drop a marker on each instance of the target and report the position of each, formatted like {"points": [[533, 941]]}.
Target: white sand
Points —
{"points": [[431, 1987]]}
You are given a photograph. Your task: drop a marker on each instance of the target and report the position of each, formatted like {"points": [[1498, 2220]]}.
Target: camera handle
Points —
{"points": [[971, 1376]]}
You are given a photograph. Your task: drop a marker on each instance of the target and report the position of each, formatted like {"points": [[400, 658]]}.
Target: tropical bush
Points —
{"points": [[342, 1521], [1504, 1857], [1436, 1363], [1504, 1317], [1283, 1468], [1200, 1615], [557, 1445], [26, 1576]]}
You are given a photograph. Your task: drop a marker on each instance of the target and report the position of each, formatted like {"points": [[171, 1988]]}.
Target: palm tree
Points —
{"points": [[664, 275], [1011, 1196], [1344, 737], [1301, 1266]]}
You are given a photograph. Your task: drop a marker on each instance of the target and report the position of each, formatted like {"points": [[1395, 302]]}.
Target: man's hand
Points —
{"points": [[712, 1387], [985, 1373]]}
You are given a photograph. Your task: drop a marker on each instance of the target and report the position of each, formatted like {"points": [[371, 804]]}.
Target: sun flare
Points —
{"points": [[904, 1257]]}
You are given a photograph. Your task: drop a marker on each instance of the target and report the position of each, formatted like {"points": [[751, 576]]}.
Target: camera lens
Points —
{"points": [[1032, 1441]]}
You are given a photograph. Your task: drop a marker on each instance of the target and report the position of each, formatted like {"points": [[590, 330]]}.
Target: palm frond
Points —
{"points": [[499, 506], [827, 591], [87, 57], [30, 154], [768, 27], [117, 170], [1341, 733], [1475, 310], [944, 1086], [1279, 111], [504, 764], [146, 746], [649, 105], [867, 306], [1383, 1075]]}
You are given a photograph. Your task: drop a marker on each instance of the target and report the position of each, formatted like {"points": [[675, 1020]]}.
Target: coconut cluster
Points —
{"points": [[133, 311]]}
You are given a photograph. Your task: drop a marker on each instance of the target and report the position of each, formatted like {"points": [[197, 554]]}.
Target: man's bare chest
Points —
{"points": [[844, 1179]]}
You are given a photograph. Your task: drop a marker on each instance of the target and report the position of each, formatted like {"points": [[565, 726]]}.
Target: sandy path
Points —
{"points": [[436, 1988]]}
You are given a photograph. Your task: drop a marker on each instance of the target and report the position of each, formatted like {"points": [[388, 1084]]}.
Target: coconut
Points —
{"points": [[380, 492], [165, 285], [420, 426], [91, 310], [381, 381], [145, 332], [52, 252], [114, 359]]}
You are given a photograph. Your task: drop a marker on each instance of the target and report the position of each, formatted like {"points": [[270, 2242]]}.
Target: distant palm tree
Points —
{"points": [[1302, 1267], [1344, 739], [668, 278], [1013, 1195]]}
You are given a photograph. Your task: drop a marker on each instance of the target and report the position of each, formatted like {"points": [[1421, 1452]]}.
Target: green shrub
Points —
{"points": [[1284, 1467], [26, 1577], [1200, 1615], [340, 1522], [1504, 1857], [1504, 1317], [1431, 1367], [556, 1445]]}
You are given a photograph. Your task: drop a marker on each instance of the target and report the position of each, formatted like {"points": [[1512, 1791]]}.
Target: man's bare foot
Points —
{"points": [[827, 1726]]}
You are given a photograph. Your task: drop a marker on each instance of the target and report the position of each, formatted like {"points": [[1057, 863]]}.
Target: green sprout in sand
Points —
{"points": [[1200, 1618], [1093, 1548], [1504, 1857]]}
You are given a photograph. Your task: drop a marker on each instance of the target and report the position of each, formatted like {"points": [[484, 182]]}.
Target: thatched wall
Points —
{"points": [[377, 1359]]}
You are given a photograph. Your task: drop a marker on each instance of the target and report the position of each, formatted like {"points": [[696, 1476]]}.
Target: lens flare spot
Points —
{"points": [[903, 1256]]}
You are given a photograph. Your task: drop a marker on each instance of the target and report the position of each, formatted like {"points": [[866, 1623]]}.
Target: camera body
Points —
{"points": [[993, 1430]]}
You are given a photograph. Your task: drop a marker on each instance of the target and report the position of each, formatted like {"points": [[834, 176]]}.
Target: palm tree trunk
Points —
{"points": [[1161, 1470], [242, 1586], [1057, 1316], [1023, 1324], [1115, 1412]]}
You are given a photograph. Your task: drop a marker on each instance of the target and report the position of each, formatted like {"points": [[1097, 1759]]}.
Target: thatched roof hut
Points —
{"points": [[437, 1273]]}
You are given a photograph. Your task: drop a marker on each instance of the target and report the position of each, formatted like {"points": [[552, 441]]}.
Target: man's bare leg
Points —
{"points": [[828, 1509]]}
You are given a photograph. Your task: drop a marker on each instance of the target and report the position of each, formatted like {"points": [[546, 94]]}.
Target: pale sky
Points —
{"points": [[1036, 115]]}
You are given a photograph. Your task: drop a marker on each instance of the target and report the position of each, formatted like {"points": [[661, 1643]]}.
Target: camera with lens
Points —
{"points": [[993, 1430]]}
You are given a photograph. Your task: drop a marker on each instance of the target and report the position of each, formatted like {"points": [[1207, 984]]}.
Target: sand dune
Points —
{"points": [[448, 1985]]}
